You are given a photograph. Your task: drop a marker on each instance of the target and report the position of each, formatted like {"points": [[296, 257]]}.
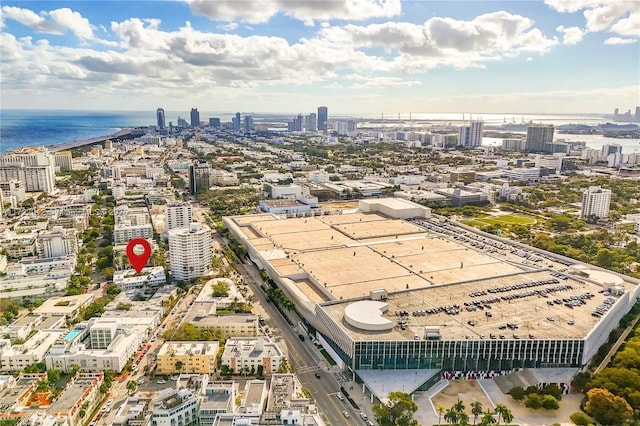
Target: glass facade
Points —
{"points": [[465, 355]]}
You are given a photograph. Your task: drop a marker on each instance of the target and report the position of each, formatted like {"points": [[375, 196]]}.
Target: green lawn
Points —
{"points": [[507, 219]]}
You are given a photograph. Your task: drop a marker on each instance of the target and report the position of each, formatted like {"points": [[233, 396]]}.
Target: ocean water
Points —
{"points": [[19, 128]]}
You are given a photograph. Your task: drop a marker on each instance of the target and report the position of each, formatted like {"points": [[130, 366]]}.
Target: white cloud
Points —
{"points": [[303, 10], [445, 41], [621, 17], [571, 35], [618, 40], [57, 21], [230, 26], [529, 59]]}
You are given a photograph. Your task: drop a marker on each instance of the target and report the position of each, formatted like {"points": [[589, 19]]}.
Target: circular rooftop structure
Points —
{"points": [[603, 278], [367, 315]]}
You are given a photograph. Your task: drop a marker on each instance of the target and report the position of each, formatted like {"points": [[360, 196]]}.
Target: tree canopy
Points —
{"points": [[397, 411]]}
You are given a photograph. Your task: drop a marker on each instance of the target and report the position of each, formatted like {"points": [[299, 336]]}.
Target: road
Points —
{"points": [[118, 390], [304, 358]]}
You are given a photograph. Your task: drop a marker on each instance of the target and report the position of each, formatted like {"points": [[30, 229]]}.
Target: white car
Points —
{"points": [[161, 382], [109, 402]]}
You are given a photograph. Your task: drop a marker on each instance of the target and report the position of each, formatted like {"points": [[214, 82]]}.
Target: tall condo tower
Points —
{"points": [[595, 202], [190, 251], [195, 118], [323, 115], [161, 118], [537, 136], [178, 215], [471, 135]]}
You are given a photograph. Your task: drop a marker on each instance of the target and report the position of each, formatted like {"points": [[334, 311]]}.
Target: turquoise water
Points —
{"points": [[72, 335]]}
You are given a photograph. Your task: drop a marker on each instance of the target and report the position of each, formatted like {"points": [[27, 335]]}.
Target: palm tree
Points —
{"points": [[451, 416], [488, 419], [463, 419], [507, 415], [476, 410], [459, 406], [501, 410], [440, 411]]}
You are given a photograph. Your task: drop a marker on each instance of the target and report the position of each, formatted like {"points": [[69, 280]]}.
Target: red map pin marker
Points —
{"points": [[138, 261]]}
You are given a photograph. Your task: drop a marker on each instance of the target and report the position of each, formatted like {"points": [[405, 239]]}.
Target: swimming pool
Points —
{"points": [[72, 334]]}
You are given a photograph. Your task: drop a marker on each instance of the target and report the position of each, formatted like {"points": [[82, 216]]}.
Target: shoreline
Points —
{"points": [[90, 141]]}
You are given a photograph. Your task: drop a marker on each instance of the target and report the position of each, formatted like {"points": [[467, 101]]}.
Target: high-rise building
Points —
{"points": [[214, 122], [195, 118], [190, 251], [471, 136], [236, 122], [177, 215], [296, 124], [248, 123], [35, 167], [161, 118], [323, 116], [199, 177], [637, 114], [611, 149], [595, 202], [537, 136], [311, 122]]}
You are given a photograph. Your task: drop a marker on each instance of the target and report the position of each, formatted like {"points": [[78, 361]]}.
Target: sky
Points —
{"points": [[353, 56]]}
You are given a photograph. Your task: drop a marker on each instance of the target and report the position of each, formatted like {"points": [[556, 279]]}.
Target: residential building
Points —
{"points": [[236, 122], [178, 215], [199, 173], [248, 123], [537, 136], [161, 119], [33, 166], [323, 115], [13, 192], [311, 122], [78, 399], [190, 251], [471, 136], [248, 354], [57, 243], [63, 161], [32, 351], [68, 306], [175, 408], [595, 202], [218, 399], [513, 144], [187, 357], [195, 118], [214, 122]]}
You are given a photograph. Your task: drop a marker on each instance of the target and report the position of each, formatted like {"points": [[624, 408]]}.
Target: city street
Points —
{"points": [[305, 359]]}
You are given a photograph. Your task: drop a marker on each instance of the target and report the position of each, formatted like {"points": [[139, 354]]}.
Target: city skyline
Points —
{"points": [[369, 56]]}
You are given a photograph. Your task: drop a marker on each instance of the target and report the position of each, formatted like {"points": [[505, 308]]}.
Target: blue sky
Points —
{"points": [[354, 56]]}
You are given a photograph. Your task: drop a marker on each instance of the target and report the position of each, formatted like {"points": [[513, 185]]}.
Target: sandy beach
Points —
{"points": [[74, 144]]}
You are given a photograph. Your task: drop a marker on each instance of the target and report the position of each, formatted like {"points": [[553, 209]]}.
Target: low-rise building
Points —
{"points": [[149, 277], [78, 399], [248, 354], [68, 306], [218, 399], [175, 408], [32, 351], [189, 357]]}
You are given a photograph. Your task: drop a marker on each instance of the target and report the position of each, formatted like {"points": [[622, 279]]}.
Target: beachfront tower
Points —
{"points": [[160, 117]]}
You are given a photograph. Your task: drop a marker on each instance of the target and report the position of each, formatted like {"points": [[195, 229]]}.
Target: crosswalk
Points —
{"points": [[307, 369]]}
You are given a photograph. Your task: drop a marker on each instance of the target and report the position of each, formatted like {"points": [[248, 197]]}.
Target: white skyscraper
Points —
{"points": [[190, 251], [178, 215], [471, 135], [595, 202]]}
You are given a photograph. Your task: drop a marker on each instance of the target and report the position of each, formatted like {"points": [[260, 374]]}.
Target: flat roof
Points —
{"points": [[63, 305], [428, 264], [71, 395], [189, 348]]}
